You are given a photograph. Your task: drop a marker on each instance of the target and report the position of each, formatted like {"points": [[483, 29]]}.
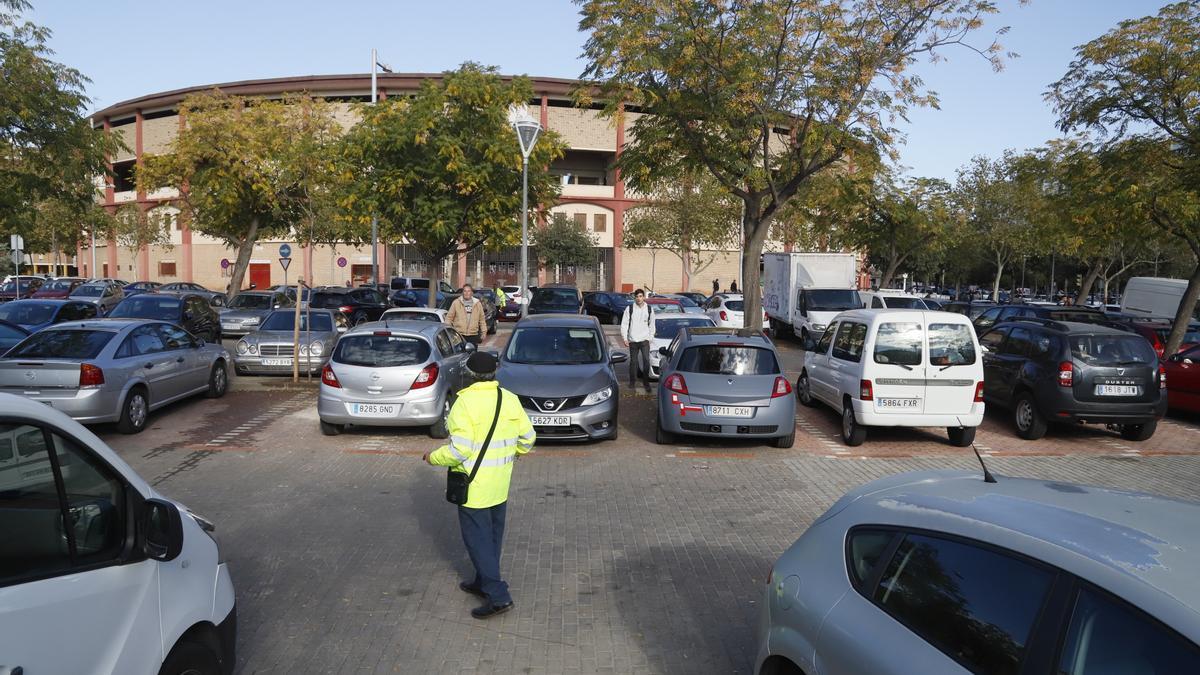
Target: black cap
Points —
{"points": [[482, 363]]}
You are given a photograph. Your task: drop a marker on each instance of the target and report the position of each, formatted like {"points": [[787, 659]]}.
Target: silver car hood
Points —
{"points": [[554, 380]]}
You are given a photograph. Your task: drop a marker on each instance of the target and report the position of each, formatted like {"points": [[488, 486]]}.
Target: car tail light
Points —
{"points": [[382, 333], [676, 384], [1159, 347], [979, 392], [782, 388], [1066, 374], [345, 309], [865, 392], [90, 376], [1162, 376], [427, 376], [724, 316], [329, 378]]}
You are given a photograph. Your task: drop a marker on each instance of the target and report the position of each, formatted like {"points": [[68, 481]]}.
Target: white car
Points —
{"points": [[897, 368], [890, 299], [725, 309], [666, 327], [134, 579], [415, 314]]}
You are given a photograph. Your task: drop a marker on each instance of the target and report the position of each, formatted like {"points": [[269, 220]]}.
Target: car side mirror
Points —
{"points": [[808, 344], [618, 357], [664, 351], [198, 343], [469, 347], [162, 530]]}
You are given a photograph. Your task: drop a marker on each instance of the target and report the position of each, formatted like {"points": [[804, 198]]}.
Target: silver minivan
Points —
{"points": [[393, 374]]}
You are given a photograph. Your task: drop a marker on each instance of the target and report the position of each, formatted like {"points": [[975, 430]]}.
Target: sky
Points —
{"points": [[129, 49]]}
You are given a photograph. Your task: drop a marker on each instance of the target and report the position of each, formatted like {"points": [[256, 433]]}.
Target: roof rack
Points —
{"points": [[1048, 323]]}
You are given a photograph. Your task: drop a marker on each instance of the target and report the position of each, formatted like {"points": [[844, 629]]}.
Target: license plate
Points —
{"points": [[231, 326], [550, 421], [900, 403], [277, 362], [373, 409], [1116, 390], [730, 411]]}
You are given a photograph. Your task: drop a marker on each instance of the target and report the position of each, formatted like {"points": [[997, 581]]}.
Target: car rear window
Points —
{"points": [[951, 344], [899, 344], [322, 300], [734, 305], [62, 344], [28, 312], [666, 329], [246, 301], [163, 308], [555, 296], [904, 303], [728, 360], [88, 291], [1111, 350], [412, 316], [381, 351]]}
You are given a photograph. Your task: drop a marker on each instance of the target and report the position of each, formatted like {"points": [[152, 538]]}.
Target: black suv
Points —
{"points": [[190, 311], [358, 304], [1064, 371], [994, 315], [606, 306], [556, 299]]}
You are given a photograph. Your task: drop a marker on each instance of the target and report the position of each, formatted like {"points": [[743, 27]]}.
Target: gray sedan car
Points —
{"points": [[724, 383], [944, 573], [394, 374], [247, 310], [271, 349], [102, 294], [114, 370], [560, 366]]}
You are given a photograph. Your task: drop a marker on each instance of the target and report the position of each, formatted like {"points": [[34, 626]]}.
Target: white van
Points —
{"points": [[885, 298], [897, 368], [134, 583], [1154, 297]]}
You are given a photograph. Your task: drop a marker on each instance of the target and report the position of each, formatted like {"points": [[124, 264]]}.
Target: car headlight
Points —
{"points": [[242, 347], [253, 348], [818, 327], [598, 396], [251, 319], [316, 349], [303, 350]]}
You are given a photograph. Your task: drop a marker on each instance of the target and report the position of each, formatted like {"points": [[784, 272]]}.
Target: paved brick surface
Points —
{"points": [[623, 557]]}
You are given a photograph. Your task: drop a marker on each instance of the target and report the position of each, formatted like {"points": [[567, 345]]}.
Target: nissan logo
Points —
{"points": [[548, 405]]}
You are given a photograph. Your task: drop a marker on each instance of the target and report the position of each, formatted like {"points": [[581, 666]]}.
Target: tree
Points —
{"points": [[764, 95], [236, 163], [696, 219], [442, 170], [136, 229], [560, 242], [1142, 77], [997, 208]]}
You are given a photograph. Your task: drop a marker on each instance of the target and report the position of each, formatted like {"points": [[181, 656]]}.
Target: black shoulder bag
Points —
{"points": [[458, 482]]}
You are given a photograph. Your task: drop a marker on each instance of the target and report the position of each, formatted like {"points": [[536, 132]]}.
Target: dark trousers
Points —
{"points": [[473, 339], [639, 351], [483, 534]]}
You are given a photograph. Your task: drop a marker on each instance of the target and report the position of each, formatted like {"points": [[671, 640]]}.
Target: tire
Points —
{"points": [[135, 412], [804, 391], [218, 381], [1139, 432], [1028, 420], [491, 330], [191, 658], [853, 433], [786, 441], [331, 429], [359, 317], [961, 437], [439, 429], [662, 436]]}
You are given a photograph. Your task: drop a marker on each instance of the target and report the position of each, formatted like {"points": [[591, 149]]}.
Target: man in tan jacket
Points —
{"points": [[468, 315]]}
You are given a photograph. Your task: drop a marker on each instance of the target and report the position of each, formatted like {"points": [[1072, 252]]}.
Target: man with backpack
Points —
{"points": [[637, 330]]}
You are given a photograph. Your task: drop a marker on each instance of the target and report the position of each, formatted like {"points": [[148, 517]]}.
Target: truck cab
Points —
{"points": [[815, 308]]}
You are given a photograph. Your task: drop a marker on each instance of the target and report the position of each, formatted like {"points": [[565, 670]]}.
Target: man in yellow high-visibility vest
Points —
{"points": [[481, 518]]}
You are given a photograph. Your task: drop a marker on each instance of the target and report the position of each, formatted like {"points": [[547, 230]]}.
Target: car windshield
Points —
{"points": [[685, 300], [903, 303], [1111, 350], [734, 305], [62, 344], [320, 300], [666, 329], [831, 300], [412, 316], [666, 308], [286, 320], [381, 351], [161, 307], [555, 296], [728, 360], [247, 301], [899, 343], [12, 286], [555, 345], [975, 310], [951, 344], [28, 313], [89, 291]]}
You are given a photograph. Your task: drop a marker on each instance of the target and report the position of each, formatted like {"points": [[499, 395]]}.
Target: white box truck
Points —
{"points": [[802, 292], [1153, 297]]}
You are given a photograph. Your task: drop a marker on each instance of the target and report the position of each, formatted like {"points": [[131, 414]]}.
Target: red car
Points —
{"points": [[1183, 380], [58, 288], [665, 305]]}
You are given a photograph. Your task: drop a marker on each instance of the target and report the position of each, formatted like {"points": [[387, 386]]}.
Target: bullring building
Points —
{"points": [[592, 196]]}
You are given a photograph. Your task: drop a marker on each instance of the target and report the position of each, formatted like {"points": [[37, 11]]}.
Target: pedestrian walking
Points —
{"points": [[467, 316], [733, 286], [489, 430], [716, 286], [637, 329]]}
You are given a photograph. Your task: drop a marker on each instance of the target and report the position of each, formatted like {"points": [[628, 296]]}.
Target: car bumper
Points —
{"points": [[866, 415], [1064, 409], [86, 406], [237, 329], [334, 407], [253, 365], [593, 422], [692, 419], [227, 634]]}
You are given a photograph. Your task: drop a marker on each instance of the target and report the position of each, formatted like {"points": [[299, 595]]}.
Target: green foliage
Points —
{"points": [[135, 229], [999, 212], [561, 242]]}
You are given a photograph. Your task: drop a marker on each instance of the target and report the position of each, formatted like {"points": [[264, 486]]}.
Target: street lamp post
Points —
{"points": [[528, 129], [375, 65]]}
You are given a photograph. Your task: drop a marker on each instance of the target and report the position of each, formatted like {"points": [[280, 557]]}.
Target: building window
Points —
{"points": [[600, 222], [123, 176], [166, 269], [581, 221]]}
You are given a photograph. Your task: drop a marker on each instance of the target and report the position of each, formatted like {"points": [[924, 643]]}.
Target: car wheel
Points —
{"points": [[1139, 432], [1030, 423], [804, 391], [786, 441], [439, 429], [331, 429], [853, 433], [359, 317], [961, 437], [218, 380], [191, 658], [134, 412], [492, 327], [662, 436]]}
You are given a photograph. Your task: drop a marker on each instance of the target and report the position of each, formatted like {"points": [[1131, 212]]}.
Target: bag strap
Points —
{"points": [[479, 458]]}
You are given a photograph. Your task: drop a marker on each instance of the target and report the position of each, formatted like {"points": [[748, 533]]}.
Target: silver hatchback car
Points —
{"points": [[724, 383], [393, 374], [942, 572]]}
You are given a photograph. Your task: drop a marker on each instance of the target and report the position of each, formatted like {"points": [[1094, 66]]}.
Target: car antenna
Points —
{"points": [[987, 475]]}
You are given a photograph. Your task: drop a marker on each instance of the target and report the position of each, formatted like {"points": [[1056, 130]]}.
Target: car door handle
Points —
{"points": [[148, 365], [179, 360]]}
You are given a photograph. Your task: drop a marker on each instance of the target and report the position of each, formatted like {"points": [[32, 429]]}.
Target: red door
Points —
{"points": [[260, 275]]}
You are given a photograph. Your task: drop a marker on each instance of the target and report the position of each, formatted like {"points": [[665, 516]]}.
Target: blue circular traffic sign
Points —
{"points": [[285, 251]]}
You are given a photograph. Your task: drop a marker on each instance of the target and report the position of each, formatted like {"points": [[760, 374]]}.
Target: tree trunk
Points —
{"points": [[687, 270], [889, 273], [1089, 280], [245, 250], [996, 281], [755, 229], [435, 278], [1183, 315]]}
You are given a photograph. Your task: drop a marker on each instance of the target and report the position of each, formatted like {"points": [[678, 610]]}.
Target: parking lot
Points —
{"points": [[622, 556]]}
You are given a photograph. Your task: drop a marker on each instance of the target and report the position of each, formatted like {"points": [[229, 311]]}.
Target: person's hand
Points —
{"points": [[625, 342], [425, 457]]}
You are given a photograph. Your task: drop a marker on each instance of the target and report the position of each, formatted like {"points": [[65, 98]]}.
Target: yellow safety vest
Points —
{"points": [[469, 421], [501, 298]]}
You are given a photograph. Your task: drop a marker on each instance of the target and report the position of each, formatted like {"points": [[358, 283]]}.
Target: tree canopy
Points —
{"points": [[561, 242]]}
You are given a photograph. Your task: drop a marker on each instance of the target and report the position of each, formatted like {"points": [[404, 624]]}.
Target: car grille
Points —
{"points": [[557, 432], [538, 403], [276, 350], [743, 429]]}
